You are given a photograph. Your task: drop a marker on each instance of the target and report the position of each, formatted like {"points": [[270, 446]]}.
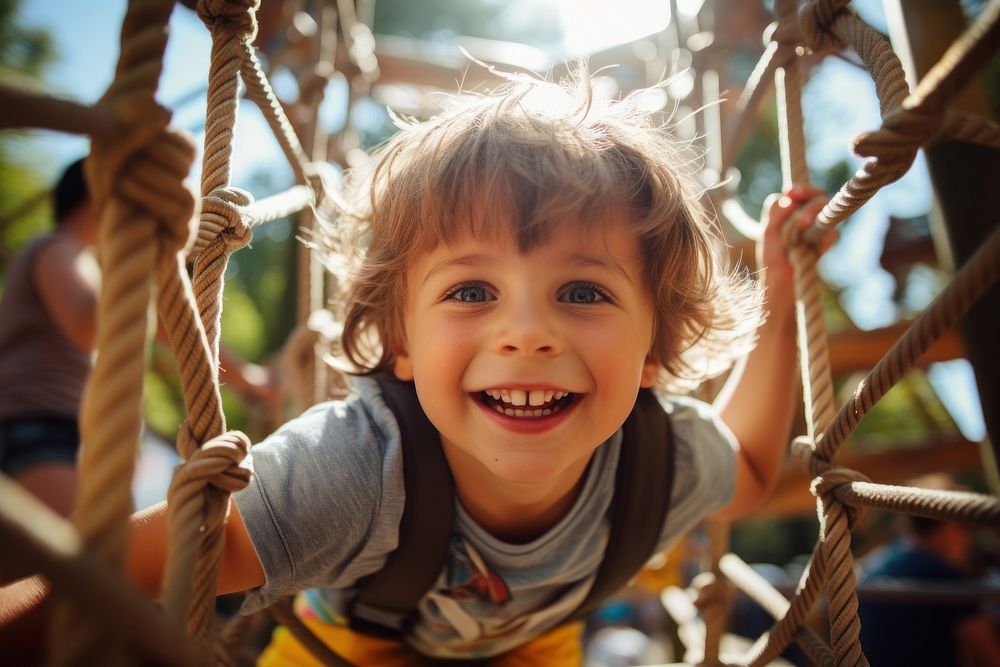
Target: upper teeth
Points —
{"points": [[521, 397]]}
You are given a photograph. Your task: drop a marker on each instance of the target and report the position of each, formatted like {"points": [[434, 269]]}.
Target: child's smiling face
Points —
{"points": [[525, 362]]}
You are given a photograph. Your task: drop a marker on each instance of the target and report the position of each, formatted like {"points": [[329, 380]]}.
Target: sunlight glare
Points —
{"points": [[589, 26]]}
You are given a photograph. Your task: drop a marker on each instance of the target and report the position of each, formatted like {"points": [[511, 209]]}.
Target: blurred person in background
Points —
{"points": [[929, 553], [47, 326]]}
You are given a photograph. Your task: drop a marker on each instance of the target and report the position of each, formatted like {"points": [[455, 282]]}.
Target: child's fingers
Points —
{"points": [[829, 239], [806, 213], [803, 192]]}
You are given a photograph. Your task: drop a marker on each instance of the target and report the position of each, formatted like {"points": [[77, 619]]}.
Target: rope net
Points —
{"points": [[136, 172]]}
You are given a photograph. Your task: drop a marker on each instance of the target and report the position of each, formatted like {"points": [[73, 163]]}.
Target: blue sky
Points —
{"points": [[839, 103]]}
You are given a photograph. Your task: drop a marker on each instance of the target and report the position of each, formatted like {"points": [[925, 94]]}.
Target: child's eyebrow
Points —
{"points": [[472, 259], [609, 263]]}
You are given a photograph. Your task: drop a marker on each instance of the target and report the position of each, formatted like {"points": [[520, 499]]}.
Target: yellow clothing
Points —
{"points": [[561, 647]]}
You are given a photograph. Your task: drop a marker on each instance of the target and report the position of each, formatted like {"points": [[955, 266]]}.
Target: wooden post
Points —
{"points": [[965, 178]]}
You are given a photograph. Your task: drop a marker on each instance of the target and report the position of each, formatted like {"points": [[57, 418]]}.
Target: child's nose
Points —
{"points": [[529, 329]]}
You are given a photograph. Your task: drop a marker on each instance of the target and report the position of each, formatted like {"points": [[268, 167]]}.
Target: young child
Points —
{"points": [[529, 261]]}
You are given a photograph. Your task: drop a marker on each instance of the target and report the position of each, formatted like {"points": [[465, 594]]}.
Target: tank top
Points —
{"points": [[41, 371]]}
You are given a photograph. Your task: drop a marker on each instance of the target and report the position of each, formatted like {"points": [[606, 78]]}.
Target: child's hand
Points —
{"points": [[801, 204]]}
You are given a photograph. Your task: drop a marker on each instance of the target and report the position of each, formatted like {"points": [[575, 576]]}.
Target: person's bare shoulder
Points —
{"points": [[68, 280]]}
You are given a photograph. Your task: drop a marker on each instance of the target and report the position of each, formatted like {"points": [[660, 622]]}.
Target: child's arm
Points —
{"points": [[758, 401], [147, 552]]}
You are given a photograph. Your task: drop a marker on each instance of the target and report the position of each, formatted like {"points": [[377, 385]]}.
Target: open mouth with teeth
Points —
{"points": [[520, 403]]}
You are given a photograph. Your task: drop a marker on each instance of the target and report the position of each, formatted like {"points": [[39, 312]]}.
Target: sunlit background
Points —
{"points": [[839, 102]]}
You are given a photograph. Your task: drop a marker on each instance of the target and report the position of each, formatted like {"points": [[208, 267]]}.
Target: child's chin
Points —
{"points": [[526, 469]]}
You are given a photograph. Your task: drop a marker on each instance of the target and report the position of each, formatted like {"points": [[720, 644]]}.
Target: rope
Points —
{"points": [[772, 643], [714, 598], [970, 128], [225, 227], [136, 183], [196, 514], [774, 603], [198, 497], [32, 533], [968, 284], [259, 90], [137, 169], [817, 381], [28, 108], [219, 214], [909, 121]]}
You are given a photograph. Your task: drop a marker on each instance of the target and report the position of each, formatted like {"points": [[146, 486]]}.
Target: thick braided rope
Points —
{"points": [[199, 504], [957, 65], [136, 183], [714, 598], [210, 268], [973, 509], [970, 128], [836, 521], [198, 497], [29, 108], [192, 522], [217, 217], [769, 645], [774, 603], [817, 383], [909, 121], [835, 517], [970, 508], [969, 283], [817, 379], [37, 539], [230, 22], [259, 90]]}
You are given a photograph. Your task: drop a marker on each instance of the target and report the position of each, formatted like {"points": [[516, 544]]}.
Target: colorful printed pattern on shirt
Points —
{"points": [[312, 604], [469, 578]]}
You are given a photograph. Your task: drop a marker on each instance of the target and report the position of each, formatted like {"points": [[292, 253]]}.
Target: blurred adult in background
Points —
{"points": [[934, 634], [48, 315], [47, 327]]}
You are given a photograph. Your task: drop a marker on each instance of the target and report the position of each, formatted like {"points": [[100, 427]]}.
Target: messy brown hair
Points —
{"points": [[534, 154]]}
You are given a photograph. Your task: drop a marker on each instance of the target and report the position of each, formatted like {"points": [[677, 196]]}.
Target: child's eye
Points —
{"points": [[470, 293], [584, 293]]}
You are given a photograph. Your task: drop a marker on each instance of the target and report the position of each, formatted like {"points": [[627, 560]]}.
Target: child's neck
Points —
{"points": [[512, 512]]}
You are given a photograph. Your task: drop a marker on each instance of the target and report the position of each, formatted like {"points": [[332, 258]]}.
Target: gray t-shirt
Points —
{"points": [[324, 505]]}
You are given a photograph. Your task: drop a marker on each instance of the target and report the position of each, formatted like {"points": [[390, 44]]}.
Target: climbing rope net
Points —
{"points": [[137, 169]]}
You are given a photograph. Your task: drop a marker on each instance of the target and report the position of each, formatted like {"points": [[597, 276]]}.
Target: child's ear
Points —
{"points": [[650, 371], [402, 367]]}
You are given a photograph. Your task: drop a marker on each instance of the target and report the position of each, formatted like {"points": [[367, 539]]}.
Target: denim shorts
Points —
{"points": [[29, 441]]}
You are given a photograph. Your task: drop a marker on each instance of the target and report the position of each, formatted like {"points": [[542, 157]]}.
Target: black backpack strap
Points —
{"points": [[643, 483], [387, 602]]}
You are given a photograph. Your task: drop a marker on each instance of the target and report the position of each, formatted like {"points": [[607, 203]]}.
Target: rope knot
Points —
{"points": [[804, 451], [826, 483], [218, 461], [227, 203], [784, 31], [214, 464], [903, 131], [816, 19], [147, 168], [230, 17]]}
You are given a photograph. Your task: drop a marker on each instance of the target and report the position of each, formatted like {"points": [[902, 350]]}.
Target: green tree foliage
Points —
{"points": [[24, 54]]}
